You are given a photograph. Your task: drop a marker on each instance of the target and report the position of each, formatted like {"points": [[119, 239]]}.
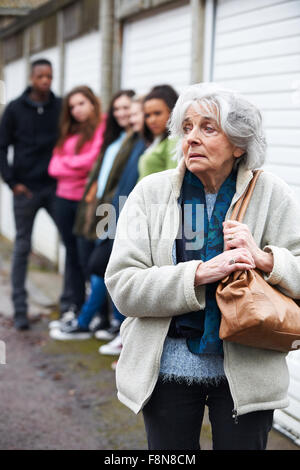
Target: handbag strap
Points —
{"points": [[242, 204]]}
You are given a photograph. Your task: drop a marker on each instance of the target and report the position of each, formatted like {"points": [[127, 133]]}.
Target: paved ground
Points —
{"points": [[62, 395]]}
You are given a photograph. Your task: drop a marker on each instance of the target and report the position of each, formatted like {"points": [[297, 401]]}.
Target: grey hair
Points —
{"points": [[239, 119]]}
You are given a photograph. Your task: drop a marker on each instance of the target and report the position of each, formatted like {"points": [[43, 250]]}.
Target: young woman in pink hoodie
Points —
{"points": [[81, 137]]}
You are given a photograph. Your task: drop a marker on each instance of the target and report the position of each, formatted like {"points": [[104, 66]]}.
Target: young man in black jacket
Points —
{"points": [[30, 126]]}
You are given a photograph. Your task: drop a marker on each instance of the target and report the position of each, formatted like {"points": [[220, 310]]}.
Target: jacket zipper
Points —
{"points": [[235, 406], [235, 409], [235, 416]]}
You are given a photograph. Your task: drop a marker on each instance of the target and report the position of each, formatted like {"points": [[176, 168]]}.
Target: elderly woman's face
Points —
{"points": [[205, 146]]}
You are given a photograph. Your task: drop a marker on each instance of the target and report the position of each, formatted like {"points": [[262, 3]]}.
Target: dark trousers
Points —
{"points": [[25, 210], [78, 251], [174, 414]]}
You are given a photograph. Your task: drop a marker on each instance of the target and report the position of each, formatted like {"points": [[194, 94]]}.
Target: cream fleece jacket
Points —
{"points": [[149, 289]]}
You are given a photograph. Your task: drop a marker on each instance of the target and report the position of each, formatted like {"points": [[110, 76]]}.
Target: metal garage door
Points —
{"points": [[257, 51], [157, 49], [15, 82], [83, 62]]}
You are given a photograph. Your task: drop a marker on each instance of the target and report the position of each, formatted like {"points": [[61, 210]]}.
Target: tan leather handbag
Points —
{"points": [[255, 313]]}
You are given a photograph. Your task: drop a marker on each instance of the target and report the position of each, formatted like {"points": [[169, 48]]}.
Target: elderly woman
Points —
{"points": [[165, 266]]}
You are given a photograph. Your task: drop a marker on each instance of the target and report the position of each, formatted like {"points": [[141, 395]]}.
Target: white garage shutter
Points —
{"points": [[15, 83], [257, 52], [157, 50], [83, 62], [7, 224], [14, 79], [45, 236], [288, 420]]}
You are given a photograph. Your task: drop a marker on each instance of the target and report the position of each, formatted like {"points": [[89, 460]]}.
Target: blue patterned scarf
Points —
{"points": [[201, 328]]}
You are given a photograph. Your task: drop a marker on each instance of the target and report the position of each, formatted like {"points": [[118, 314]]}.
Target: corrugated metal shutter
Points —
{"points": [[14, 78], [288, 420], [157, 49], [7, 224], [15, 82], [257, 51], [83, 62]]}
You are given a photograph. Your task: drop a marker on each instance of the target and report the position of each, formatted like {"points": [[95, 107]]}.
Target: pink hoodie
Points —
{"points": [[71, 170]]}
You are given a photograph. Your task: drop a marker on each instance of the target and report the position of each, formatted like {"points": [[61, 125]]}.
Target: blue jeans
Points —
{"points": [[95, 302]]}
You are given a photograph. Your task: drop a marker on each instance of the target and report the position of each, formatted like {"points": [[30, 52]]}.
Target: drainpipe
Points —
{"points": [[61, 50], [26, 54], [60, 252], [197, 39], [209, 40], [107, 41]]}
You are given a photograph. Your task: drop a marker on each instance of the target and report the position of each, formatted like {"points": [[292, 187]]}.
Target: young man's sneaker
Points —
{"points": [[21, 322], [70, 330], [113, 348], [66, 317], [108, 333]]}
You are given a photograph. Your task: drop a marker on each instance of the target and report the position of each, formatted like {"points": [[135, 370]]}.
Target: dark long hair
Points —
{"points": [[113, 130], [165, 93], [69, 126]]}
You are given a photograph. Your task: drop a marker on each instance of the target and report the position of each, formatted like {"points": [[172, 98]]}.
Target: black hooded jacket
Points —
{"points": [[32, 130]]}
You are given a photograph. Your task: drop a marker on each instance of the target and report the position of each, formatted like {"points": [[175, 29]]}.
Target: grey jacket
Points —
{"points": [[149, 289]]}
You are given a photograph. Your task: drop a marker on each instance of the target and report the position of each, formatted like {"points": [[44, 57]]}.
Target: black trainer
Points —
{"points": [[21, 321], [108, 333]]}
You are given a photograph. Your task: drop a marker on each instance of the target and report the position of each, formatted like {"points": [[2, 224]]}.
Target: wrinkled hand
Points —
{"points": [[238, 259], [19, 189], [238, 235]]}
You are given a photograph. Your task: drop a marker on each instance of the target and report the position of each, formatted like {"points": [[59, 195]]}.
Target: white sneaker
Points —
{"points": [[114, 365], [67, 316], [70, 330], [113, 348], [109, 333]]}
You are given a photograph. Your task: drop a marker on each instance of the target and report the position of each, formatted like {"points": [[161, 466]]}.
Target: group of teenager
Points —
{"points": [[71, 158]]}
